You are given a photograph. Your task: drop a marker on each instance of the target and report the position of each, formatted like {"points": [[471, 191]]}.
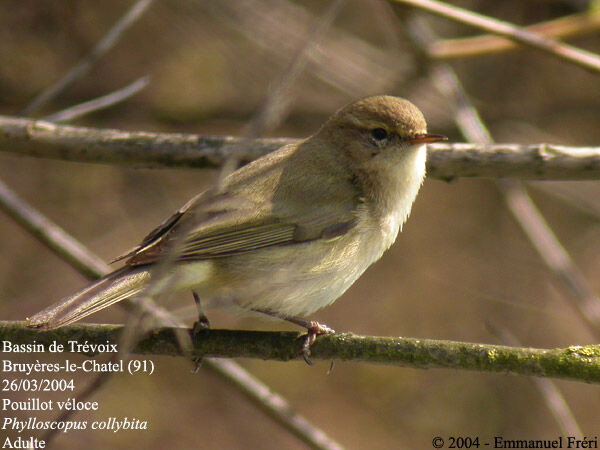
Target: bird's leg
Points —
{"points": [[202, 323], [313, 329]]}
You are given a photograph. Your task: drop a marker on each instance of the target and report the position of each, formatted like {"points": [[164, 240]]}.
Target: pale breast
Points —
{"points": [[297, 280]]}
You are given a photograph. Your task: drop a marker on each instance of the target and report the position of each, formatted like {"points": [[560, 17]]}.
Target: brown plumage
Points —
{"points": [[290, 232]]}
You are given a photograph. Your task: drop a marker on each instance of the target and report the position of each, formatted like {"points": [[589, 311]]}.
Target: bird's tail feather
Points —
{"points": [[108, 290]]}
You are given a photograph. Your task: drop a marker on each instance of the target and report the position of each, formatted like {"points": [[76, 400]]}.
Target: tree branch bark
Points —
{"points": [[576, 363], [154, 150]]}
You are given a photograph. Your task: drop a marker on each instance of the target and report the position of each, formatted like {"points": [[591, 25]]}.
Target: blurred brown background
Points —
{"points": [[461, 261]]}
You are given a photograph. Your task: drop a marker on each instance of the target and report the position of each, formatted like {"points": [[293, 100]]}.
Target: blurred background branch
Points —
{"points": [[81, 69], [566, 52], [97, 104], [570, 26]]}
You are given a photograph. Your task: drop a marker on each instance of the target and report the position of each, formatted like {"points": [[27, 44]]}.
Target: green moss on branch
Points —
{"points": [[577, 363]]}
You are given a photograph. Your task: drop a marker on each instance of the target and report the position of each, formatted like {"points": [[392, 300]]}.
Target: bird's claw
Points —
{"points": [[201, 324], [314, 329]]}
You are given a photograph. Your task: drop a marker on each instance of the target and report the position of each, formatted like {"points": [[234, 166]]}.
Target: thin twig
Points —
{"points": [[85, 65], [516, 197], [576, 363], [146, 149], [574, 55], [569, 26], [97, 104]]}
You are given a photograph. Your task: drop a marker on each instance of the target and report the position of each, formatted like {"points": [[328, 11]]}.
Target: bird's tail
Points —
{"points": [[108, 290]]}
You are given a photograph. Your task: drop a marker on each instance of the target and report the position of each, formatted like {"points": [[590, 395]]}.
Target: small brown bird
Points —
{"points": [[288, 233]]}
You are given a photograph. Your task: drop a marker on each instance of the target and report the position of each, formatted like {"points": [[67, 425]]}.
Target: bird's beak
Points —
{"points": [[426, 138]]}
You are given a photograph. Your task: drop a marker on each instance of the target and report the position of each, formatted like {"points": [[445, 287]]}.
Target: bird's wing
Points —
{"points": [[261, 205], [216, 234], [159, 232]]}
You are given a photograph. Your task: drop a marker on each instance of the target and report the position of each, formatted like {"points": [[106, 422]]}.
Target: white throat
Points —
{"points": [[401, 188]]}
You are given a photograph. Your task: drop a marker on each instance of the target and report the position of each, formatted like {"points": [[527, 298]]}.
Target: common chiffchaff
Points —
{"points": [[287, 234]]}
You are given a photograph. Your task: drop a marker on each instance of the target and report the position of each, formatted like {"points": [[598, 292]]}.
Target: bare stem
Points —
{"points": [[352, 64], [574, 55]]}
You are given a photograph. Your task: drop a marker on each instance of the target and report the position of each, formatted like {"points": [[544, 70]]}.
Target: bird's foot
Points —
{"points": [[313, 329], [201, 324]]}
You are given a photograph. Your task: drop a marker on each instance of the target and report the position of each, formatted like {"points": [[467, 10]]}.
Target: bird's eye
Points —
{"points": [[379, 134]]}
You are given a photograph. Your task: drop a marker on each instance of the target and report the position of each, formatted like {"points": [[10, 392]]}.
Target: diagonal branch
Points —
{"points": [[574, 55], [352, 64], [51, 235], [573, 25], [273, 405]]}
